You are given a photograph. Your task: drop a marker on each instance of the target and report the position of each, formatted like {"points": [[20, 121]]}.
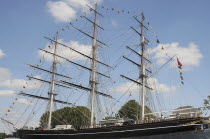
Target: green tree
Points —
{"points": [[109, 117], [2, 135], [132, 110], [207, 102], [78, 117]]}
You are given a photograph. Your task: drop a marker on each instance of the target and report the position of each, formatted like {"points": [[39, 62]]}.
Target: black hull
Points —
{"points": [[129, 131]]}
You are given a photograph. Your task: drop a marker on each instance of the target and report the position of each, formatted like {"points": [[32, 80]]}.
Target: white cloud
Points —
{"points": [[24, 101], [61, 11], [7, 81], [7, 92], [153, 83], [65, 10], [189, 56], [4, 74], [2, 54], [78, 3], [66, 52], [160, 87], [20, 84]]}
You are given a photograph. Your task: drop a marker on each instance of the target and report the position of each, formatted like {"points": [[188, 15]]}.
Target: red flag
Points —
{"points": [[179, 63]]}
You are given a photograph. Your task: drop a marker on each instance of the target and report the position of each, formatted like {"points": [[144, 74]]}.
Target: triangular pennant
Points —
{"points": [[179, 63]]}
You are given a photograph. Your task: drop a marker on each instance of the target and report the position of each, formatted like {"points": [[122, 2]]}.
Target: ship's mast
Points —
{"points": [[62, 83], [142, 71], [142, 66], [93, 67], [52, 88]]}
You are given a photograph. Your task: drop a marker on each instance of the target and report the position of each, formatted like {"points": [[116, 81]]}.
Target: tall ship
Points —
{"points": [[92, 122]]}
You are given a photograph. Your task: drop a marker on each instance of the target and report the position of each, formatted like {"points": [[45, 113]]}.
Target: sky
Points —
{"points": [[182, 26]]}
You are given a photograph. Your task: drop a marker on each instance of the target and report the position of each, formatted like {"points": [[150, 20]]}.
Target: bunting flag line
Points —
{"points": [[180, 71], [135, 15], [105, 8]]}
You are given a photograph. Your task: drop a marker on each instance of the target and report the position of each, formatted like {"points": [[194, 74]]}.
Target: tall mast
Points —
{"points": [[52, 88], [93, 67], [142, 71]]}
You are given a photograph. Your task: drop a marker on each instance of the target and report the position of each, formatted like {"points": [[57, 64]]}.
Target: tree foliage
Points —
{"points": [[207, 102], [109, 117], [78, 117], [132, 110]]}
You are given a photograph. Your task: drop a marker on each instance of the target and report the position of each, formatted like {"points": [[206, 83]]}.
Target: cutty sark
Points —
{"points": [[147, 125]]}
